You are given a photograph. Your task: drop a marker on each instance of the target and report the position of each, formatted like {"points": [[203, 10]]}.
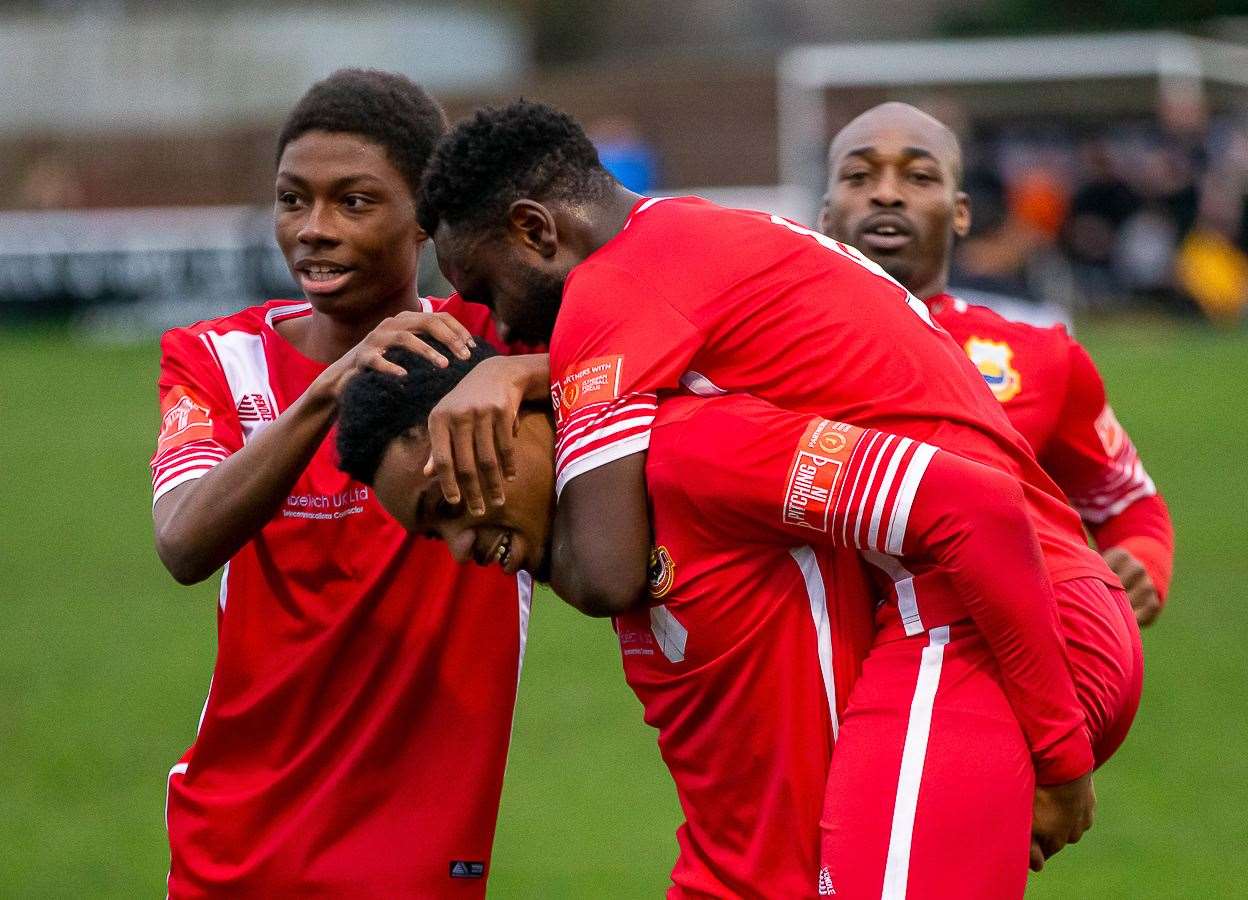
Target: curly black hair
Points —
{"points": [[387, 108], [501, 155], [377, 407]]}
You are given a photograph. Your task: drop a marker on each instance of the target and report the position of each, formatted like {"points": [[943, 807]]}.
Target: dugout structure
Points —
{"points": [[1083, 76]]}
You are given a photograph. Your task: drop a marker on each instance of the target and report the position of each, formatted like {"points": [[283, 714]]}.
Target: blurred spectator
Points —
{"points": [[1211, 266], [1214, 272], [1039, 200], [1115, 214], [1097, 212], [624, 153]]}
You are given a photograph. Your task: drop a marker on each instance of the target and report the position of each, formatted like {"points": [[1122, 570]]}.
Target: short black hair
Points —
{"points": [[502, 155], [377, 407], [387, 108]]}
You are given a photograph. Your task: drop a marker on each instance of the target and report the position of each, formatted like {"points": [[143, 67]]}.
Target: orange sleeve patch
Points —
{"points": [[821, 454], [184, 418], [590, 381], [1113, 437]]}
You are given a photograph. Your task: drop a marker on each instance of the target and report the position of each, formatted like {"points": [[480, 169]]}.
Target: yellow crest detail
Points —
{"points": [[994, 359]]}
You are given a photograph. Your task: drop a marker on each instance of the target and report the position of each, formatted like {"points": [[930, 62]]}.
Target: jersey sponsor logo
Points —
{"points": [[591, 381], [184, 418], [1113, 436], [662, 572], [636, 639], [467, 868], [255, 408], [821, 454], [326, 507], [995, 359]]}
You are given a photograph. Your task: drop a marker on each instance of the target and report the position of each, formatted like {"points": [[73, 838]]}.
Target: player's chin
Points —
{"points": [[347, 302], [899, 264]]}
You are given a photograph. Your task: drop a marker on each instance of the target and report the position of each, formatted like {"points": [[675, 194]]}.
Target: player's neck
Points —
{"points": [[327, 338], [607, 218], [933, 287]]}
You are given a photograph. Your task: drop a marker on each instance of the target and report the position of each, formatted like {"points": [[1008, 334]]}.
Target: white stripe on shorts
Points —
{"points": [[914, 751]]}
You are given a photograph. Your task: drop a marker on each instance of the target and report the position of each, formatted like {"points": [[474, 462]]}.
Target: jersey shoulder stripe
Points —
{"points": [[602, 432]]}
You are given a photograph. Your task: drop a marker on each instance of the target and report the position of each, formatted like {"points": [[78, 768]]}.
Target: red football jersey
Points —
{"points": [[743, 662], [735, 482], [356, 729], [1055, 397], [689, 293]]}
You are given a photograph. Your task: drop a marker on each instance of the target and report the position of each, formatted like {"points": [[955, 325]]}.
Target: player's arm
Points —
{"points": [[600, 546], [609, 354], [1093, 460], [1138, 544], [769, 474], [598, 553], [213, 498], [973, 522], [473, 428]]}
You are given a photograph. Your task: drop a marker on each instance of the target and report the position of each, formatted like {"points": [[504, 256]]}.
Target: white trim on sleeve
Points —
{"points": [[605, 431], [905, 497], [179, 480], [600, 457], [886, 484]]}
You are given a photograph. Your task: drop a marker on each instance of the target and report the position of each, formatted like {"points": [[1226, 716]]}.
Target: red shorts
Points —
{"points": [[930, 790], [1106, 658]]}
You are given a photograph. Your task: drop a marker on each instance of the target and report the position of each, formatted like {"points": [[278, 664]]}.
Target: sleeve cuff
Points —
{"points": [[1068, 759], [637, 443]]}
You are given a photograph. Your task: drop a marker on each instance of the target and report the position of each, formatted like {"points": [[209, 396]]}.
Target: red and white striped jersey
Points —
{"points": [[1055, 397], [355, 734], [743, 663], [714, 300], [690, 294], [747, 471]]}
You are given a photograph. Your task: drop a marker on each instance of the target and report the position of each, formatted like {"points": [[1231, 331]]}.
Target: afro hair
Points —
{"points": [[377, 407], [501, 155], [385, 107]]}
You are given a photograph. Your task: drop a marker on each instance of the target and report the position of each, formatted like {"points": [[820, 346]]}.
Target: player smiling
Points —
{"points": [[755, 628], [356, 730], [645, 295]]}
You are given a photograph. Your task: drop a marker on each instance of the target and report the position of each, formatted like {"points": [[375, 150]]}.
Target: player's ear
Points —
{"points": [[534, 226], [825, 217], [961, 214]]}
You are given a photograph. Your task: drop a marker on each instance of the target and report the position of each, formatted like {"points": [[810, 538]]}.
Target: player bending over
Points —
{"points": [[355, 734], [755, 624], [644, 295]]}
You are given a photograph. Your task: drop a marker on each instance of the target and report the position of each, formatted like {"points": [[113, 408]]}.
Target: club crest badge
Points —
{"points": [[995, 359], [662, 572]]}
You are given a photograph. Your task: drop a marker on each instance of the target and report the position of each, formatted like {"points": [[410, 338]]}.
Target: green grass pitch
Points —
{"points": [[105, 660]]}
